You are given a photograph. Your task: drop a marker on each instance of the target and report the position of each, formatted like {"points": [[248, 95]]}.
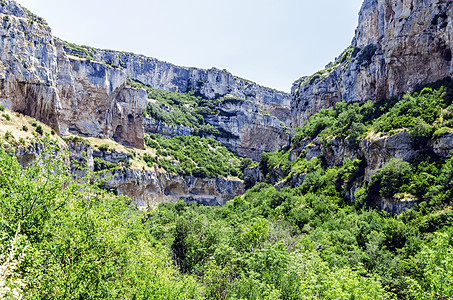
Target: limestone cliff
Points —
{"points": [[149, 187], [210, 83], [253, 130], [397, 46], [250, 132], [373, 151]]}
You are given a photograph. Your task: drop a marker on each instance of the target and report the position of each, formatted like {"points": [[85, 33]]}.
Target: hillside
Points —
{"points": [[125, 177]]}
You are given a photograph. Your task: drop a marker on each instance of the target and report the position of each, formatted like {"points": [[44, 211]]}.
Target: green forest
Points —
{"points": [[66, 238]]}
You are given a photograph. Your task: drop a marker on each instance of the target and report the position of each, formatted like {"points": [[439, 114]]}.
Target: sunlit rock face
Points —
{"points": [[397, 46]]}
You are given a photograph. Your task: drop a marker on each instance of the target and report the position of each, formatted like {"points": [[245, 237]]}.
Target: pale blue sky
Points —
{"points": [[272, 42]]}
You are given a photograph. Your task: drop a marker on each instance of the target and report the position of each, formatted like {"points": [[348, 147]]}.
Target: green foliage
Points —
{"points": [[7, 117], [33, 122], [39, 129], [426, 113], [188, 109], [366, 55], [2, 108], [103, 148], [101, 164], [25, 128], [77, 241], [192, 155], [76, 139]]}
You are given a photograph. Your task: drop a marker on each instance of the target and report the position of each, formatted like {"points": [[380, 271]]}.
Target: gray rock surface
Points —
{"points": [[397, 46]]}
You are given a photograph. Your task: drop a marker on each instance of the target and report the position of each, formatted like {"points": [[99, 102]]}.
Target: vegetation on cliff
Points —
{"points": [[427, 113], [193, 155]]}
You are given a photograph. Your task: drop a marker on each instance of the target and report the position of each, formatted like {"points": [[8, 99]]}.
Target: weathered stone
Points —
{"points": [[252, 131], [398, 45]]}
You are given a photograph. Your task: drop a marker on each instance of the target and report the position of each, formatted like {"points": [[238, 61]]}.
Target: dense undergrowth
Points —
{"points": [[193, 155]]}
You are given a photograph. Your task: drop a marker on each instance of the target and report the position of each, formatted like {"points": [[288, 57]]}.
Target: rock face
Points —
{"points": [[150, 187], [210, 83], [96, 102], [146, 188], [252, 130], [155, 126], [374, 152], [397, 46]]}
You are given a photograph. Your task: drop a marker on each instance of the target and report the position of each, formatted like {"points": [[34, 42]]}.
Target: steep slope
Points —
{"points": [[397, 46]]}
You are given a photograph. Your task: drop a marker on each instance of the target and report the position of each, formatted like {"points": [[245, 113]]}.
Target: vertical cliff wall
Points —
{"points": [[398, 44]]}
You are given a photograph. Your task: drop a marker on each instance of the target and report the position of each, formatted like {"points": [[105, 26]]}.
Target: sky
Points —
{"points": [[271, 42]]}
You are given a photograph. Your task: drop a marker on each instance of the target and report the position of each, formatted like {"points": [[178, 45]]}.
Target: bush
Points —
{"points": [[7, 117], [193, 155], [24, 128], [2, 108], [101, 165], [39, 129], [103, 148]]}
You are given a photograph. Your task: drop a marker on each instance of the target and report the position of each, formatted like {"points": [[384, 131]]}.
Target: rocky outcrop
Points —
{"points": [[247, 130], [149, 188], [146, 188], [376, 151], [373, 151], [155, 126], [95, 102], [397, 46], [251, 131]]}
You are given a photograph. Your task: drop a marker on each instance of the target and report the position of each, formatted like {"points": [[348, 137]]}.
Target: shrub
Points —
{"points": [[103, 148], [39, 129], [76, 139], [2, 108], [24, 128], [7, 117], [100, 164]]}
